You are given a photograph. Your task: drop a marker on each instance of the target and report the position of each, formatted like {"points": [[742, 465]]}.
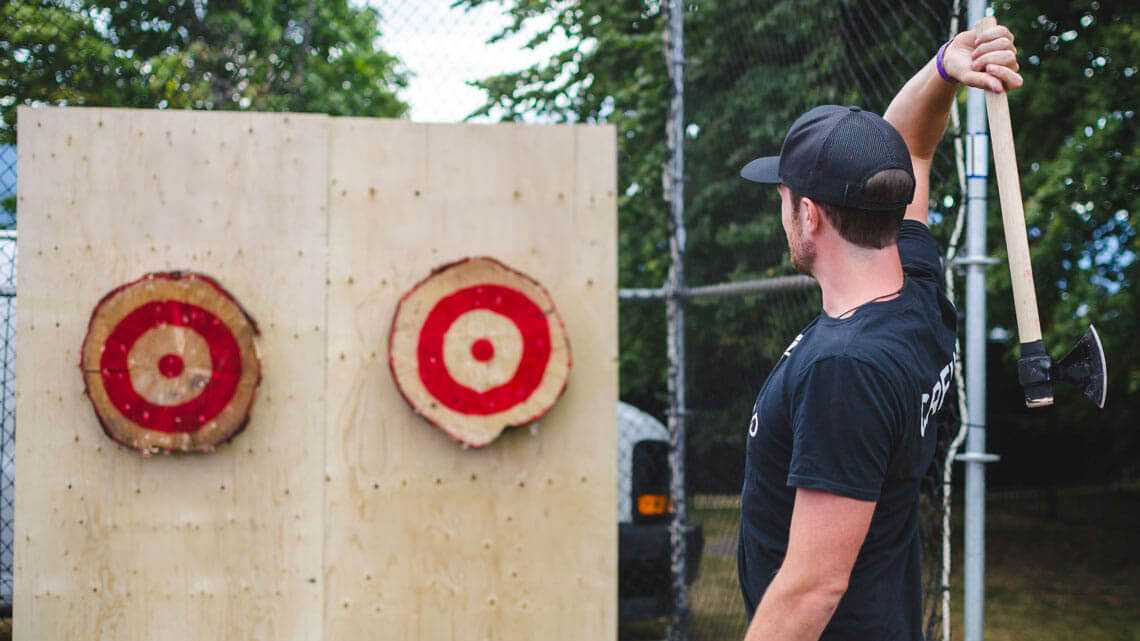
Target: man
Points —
{"points": [[841, 432]]}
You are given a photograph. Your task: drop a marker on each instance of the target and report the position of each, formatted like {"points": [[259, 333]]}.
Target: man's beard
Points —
{"points": [[802, 253]]}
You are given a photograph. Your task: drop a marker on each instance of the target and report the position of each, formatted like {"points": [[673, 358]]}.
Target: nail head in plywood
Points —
{"points": [[477, 347]]}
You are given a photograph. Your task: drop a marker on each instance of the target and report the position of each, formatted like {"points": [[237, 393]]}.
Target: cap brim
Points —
{"points": [[763, 170]]}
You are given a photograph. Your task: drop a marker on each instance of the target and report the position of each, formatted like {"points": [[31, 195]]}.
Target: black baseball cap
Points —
{"points": [[829, 154]]}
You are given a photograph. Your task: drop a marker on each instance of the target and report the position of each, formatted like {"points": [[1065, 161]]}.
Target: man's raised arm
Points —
{"points": [[922, 106]]}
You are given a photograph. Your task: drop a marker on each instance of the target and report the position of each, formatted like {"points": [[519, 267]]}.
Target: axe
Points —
{"points": [[1084, 366]]}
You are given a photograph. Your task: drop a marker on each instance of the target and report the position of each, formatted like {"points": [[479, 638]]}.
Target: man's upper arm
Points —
{"points": [[844, 427], [826, 533], [919, 207]]}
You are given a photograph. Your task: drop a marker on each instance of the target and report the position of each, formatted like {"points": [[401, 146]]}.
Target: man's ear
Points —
{"points": [[812, 216]]}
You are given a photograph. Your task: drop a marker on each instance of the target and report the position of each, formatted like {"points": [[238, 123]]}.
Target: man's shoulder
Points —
{"points": [[854, 360], [884, 343], [853, 343]]}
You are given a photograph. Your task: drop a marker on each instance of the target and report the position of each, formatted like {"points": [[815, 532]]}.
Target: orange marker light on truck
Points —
{"points": [[653, 504]]}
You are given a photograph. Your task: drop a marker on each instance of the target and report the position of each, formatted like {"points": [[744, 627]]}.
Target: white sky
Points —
{"points": [[445, 48]]}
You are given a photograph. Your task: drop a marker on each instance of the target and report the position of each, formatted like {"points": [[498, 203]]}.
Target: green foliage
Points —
{"points": [[614, 72], [281, 55], [751, 69]]}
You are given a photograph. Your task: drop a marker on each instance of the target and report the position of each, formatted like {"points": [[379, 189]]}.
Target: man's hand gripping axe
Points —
{"points": [[1084, 366]]}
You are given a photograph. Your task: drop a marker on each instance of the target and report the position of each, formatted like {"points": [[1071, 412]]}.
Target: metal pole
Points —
{"points": [[674, 189], [774, 285], [977, 159]]}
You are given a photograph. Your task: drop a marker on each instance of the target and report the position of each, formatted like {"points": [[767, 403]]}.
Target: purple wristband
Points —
{"points": [[941, 69]]}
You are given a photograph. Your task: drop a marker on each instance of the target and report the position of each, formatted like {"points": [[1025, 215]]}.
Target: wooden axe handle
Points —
{"points": [[1012, 214]]}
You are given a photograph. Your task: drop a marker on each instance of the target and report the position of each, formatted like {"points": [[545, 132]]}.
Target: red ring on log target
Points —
{"points": [[225, 358], [510, 303], [171, 363], [477, 347]]}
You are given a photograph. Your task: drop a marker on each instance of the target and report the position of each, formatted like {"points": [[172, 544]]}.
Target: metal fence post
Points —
{"points": [[977, 159], [674, 190]]}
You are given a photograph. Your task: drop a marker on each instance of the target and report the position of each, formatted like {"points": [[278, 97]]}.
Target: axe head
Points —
{"points": [[1084, 366]]}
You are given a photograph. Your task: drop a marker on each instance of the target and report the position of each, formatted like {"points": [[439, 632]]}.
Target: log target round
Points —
{"points": [[478, 347], [170, 363]]}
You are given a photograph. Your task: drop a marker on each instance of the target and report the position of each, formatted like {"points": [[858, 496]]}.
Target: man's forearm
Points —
{"points": [[921, 109], [793, 610]]}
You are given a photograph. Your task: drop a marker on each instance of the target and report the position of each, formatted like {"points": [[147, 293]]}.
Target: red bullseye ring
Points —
{"points": [[514, 305], [189, 416], [477, 347], [171, 363]]}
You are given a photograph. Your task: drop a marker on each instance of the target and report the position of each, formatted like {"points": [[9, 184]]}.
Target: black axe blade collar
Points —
{"points": [[1034, 372]]}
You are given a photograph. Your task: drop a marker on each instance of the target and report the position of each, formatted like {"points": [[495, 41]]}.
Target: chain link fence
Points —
{"points": [[744, 87], [421, 59], [446, 49], [7, 372], [7, 409]]}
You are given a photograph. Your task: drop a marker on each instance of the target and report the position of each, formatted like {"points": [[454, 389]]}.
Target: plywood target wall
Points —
{"points": [[338, 513], [516, 540]]}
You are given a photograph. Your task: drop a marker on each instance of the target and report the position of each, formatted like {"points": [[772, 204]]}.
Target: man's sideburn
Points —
{"points": [[802, 249]]}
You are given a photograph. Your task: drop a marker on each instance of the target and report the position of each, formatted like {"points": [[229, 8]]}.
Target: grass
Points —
{"points": [[1072, 575], [1055, 571]]}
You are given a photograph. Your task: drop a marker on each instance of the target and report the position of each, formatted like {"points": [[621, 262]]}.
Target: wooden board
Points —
{"points": [[219, 546], [338, 512], [426, 540]]}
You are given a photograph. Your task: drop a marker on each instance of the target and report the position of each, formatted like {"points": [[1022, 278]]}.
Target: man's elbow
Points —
{"points": [[822, 591], [830, 590]]}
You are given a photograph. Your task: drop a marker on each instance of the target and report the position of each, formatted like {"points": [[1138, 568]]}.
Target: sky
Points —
{"points": [[445, 48]]}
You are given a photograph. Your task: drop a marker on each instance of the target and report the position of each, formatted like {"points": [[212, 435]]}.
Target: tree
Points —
{"points": [[1076, 134], [612, 72], [288, 55], [752, 67], [266, 55]]}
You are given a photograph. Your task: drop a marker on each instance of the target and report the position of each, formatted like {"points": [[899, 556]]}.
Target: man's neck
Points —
{"points": [[850, 277]]}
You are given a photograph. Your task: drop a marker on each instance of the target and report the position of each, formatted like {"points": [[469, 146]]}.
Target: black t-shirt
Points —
{"points": [[847, 410]]}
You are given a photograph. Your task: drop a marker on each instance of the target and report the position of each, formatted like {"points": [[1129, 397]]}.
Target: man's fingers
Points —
{"points": [[1010, 78], [998, 32], [1002, 58], [965, 39], [999, 44], [992, 60], [982, 80], [995, 78]]}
